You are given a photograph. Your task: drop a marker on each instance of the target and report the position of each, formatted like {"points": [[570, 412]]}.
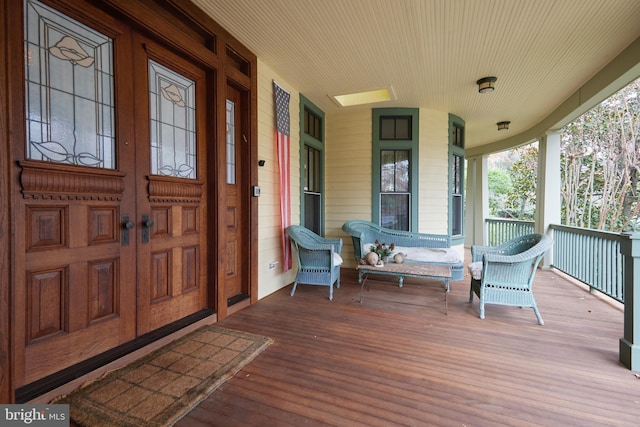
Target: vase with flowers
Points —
{"points": [[383, 251]]}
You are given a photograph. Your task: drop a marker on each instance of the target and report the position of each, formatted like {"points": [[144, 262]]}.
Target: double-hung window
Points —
{"points": [[312, 159], [456, 187], [395, 168]]}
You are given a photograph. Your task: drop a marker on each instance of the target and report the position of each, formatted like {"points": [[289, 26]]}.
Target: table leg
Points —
{"points": [[363, 278], [446, 303]]}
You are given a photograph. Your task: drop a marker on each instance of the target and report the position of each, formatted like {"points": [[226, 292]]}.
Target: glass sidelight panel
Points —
{"points": [[231, 142], [173, 127], [69, 90]]}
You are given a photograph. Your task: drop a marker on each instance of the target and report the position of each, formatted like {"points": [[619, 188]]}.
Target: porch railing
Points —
{"points": [[591, 256], [500, 230]]}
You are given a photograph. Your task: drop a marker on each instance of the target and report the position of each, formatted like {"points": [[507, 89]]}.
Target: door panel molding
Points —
{"points": [[174, 190], [57, 181]]}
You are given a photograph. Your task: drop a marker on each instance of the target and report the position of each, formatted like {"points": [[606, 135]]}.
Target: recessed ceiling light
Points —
{"points": [[368, 97]]}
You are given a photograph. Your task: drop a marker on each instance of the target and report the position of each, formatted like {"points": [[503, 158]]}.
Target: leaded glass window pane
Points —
{"points": [[231, 142], [69, 90], [173, 125]]}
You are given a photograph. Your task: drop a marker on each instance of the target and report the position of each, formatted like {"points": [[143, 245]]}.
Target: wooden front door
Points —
{"points": [[109, 203], [170, 99]]}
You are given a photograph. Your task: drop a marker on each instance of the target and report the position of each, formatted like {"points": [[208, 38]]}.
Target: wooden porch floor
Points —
{"points": [[397, 359]]}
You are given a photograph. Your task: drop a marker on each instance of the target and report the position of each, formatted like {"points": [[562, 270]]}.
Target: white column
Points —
{"points": [[548, 199], [477, 201]]}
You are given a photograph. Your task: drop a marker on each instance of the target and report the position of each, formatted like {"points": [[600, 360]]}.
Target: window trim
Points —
{"points": [[318, 144], [384, 144]]}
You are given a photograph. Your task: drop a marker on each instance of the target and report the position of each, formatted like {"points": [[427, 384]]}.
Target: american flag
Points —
{"points": [[281, 98]]}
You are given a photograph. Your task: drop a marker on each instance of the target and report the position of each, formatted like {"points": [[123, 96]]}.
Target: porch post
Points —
{"points": [[477, 201], [548, 199], [630, 343]]}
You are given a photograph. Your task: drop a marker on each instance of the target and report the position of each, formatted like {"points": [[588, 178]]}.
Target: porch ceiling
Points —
{"points": [[432, 51]]}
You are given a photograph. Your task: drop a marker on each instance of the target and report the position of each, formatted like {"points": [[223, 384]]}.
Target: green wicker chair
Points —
{"points": [[504, 274], [319, 259]]}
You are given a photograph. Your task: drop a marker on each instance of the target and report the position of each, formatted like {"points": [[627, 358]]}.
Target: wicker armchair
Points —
{"points": [[504, 274], [319, 259]]}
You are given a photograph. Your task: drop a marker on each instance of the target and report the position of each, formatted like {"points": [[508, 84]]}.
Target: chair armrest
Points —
{"points": [[504, 259], [477, 252], [533, 252], [334, 245]]}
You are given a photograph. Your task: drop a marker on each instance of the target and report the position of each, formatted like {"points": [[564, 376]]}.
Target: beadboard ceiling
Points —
{"points": [[431, 52]]}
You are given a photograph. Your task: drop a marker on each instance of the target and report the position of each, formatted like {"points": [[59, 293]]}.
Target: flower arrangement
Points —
{"points": [[382, 249]]}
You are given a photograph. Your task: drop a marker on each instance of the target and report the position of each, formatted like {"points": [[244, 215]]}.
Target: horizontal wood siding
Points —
{"points": [[434, 172], [348, 173], [269, 247]]}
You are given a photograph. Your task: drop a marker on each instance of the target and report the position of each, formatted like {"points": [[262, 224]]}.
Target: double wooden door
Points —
{"points": [[110, 196]]}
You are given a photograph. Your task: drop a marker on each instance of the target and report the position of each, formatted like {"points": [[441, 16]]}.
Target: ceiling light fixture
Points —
{"points": [[503, 125], [486, 84]]}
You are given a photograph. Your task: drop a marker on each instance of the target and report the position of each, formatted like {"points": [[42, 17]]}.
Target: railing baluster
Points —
{"points": [[591, 256]]}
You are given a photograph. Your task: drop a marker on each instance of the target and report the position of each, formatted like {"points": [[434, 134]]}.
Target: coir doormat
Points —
{"points": [[158, 389]]}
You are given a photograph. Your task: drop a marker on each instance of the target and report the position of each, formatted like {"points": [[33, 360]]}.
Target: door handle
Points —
{"points": [[147, 223], [127, 225]]}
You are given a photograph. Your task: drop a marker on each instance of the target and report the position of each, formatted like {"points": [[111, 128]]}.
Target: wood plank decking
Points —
{"points": [[397, 359]]}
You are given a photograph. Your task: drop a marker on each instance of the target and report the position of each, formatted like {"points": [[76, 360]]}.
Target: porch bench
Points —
{"points": [[421, 248]]}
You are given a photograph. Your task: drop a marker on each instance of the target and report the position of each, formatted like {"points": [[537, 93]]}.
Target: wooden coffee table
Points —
{"points": [[437, 271]]}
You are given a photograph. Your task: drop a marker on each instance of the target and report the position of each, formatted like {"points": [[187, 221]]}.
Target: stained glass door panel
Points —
{"points": [[69, 90]]}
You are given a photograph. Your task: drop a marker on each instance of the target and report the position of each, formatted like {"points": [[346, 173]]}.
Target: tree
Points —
{"points": [[512, 183], [524, 174], [499, 187], [600, 169], [601, 164]]}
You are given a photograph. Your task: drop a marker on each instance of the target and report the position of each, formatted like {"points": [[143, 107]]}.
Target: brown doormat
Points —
{"points": [[160, 388]]}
